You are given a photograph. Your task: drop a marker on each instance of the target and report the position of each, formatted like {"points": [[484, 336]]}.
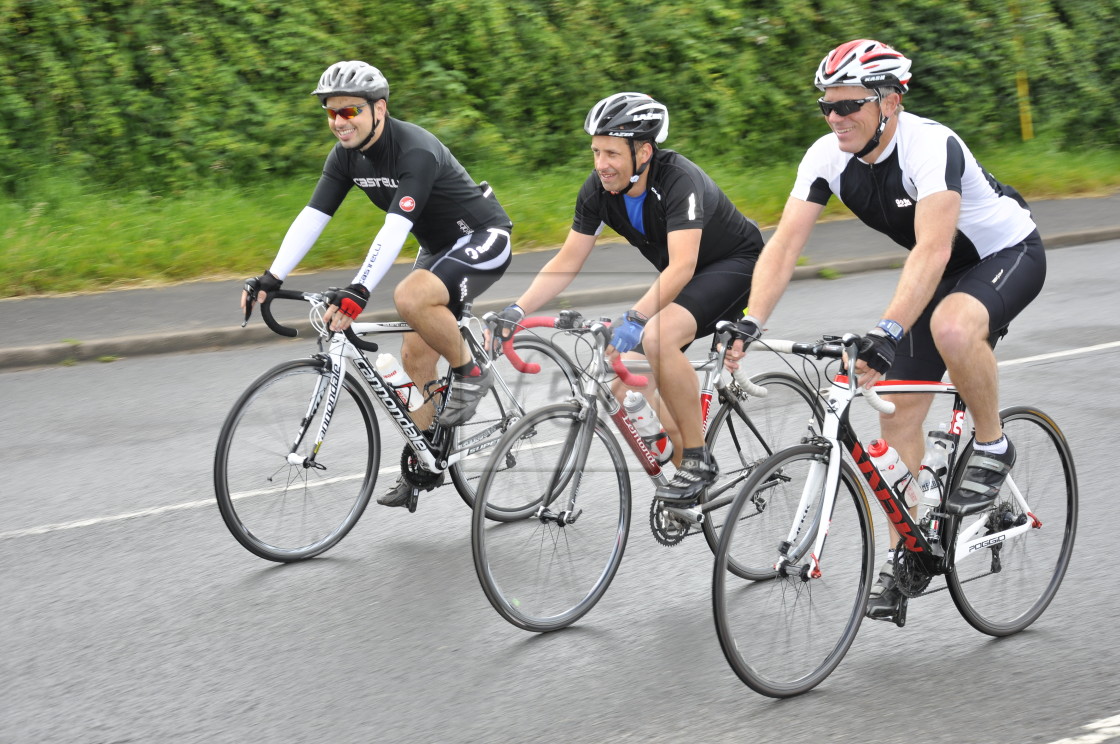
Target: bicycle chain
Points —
{"points": [[415, 473]]}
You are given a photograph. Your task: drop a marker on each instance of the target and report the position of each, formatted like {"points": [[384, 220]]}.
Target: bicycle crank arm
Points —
{"points": [[694, 515]]}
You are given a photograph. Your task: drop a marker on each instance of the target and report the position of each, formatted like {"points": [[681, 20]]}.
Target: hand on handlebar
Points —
{"points": [[256, 289], [876, 355], [504, 326], [747, 329], [345, 305]]}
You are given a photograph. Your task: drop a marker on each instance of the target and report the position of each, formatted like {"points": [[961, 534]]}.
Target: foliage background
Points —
{"points": [[158, 97]]}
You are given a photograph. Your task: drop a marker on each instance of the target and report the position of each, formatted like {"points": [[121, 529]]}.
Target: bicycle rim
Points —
{"points": [[742, 434], [539, 574], [1005, 585], [283, 511], [784, 636], [555, 381]]}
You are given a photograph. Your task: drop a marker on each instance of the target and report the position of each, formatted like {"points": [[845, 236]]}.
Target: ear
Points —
{"points": [[645, 152], [891, 102]]}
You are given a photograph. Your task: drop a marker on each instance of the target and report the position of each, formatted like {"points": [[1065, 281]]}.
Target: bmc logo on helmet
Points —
{"points": [[408, 204]]}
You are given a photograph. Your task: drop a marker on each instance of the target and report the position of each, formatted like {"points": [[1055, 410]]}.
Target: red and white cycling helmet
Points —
{"points": [[866, 63]]}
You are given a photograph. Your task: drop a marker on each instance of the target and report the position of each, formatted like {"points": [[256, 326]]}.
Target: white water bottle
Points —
{"points": [[935, 464], [649, 427], [394, 374], [893, 470]]}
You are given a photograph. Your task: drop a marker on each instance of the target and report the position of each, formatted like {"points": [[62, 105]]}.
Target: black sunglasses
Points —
{"points": [[844, 108]]}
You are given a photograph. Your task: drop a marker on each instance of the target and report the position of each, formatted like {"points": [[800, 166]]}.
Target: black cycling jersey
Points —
{"points": [[411, 173], [922, 158], [679, 196]]}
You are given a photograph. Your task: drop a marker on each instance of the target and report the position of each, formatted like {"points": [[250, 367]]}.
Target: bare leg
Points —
{"points": [[960, 330]]}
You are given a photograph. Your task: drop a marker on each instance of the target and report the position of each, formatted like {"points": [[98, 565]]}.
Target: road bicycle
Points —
{"points": [[802, 525], [299, 453], [546, 571]]}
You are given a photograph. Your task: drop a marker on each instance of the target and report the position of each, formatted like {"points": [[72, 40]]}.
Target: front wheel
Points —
{"points": [[741, 435], [546, 570], [784, 636], [281, 500], [513, 394], [1009, 560]]}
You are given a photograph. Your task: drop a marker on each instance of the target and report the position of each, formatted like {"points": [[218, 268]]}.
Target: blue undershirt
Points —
{"points": [[634, 210]]}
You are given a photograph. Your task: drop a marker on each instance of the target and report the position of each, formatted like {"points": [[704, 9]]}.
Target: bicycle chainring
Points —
{"points": [[910, 576], [415, 473], [667, 529]]}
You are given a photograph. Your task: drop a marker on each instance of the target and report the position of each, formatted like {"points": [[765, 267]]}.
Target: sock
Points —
{"points": [[997, 447], [695, 453], [470, 369]]}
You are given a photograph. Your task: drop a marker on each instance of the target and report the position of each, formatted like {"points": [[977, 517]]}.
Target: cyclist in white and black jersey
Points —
{"points": [[976, 260], [703, 247], [463, 232]]}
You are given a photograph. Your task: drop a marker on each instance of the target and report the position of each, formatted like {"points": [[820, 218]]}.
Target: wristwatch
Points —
{"points": [[893, 329]]}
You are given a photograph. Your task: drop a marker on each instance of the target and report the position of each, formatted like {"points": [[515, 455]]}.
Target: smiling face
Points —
{"points": [[855, 130], [352, 132], [614, 164]]}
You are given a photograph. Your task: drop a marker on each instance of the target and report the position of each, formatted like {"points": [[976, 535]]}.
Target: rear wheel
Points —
{"points": [[515, 394], [742, 434], [1009, 560]]}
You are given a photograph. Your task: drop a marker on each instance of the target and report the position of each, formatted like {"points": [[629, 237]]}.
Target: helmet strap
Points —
{"points": [[637, 171], [874, 141]]}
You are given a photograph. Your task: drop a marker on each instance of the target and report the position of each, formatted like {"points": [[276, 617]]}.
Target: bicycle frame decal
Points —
{"points": [[887, 498], [649, 462], [393, 403], [705, 406]]}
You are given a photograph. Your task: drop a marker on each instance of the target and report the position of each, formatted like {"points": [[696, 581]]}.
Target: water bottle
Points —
{"points": [[645, 421], [893, 470], [931, 477], [394, 374]]}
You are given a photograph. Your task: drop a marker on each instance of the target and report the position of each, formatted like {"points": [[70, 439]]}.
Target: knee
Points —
{"points": [[957, 326]]}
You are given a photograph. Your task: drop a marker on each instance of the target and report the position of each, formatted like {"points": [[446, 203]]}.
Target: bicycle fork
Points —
{"points": [[578, 442]]}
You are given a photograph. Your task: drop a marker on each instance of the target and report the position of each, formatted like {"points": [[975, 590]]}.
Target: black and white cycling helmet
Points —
{"points": [[353, 78], [635, 116], [864, 63]]}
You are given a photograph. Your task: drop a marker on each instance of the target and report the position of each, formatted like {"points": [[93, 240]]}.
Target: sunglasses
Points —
{"points": [[844, 108], [347, 112]]}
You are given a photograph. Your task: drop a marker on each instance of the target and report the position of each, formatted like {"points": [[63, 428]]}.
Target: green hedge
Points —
{"points": [[159, 97]]}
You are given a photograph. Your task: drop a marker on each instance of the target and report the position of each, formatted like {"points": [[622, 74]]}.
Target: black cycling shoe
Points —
{"points": [[464, 396], [693, 476], [402, 494], [984, 475], [886, 601]]}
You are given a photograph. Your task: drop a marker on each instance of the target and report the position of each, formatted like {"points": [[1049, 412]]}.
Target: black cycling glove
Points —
{"points": [[749, 329], [266, 283], [877, 350], [505, 324], [350, 301]]}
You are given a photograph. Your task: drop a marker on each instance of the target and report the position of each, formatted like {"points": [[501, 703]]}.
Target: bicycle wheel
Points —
{"points": [[784, 636], [545, 571], [280, 509], [1004, 582], [741, 435], [513, 393]]}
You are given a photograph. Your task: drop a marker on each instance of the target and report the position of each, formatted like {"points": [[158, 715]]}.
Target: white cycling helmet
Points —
{"points": [[635, 116], [865, 63], [353, 78]]}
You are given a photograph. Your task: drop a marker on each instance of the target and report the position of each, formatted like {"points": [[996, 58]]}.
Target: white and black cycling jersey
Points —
{"points": [[679, 195], [409, 172], [922, 158]]}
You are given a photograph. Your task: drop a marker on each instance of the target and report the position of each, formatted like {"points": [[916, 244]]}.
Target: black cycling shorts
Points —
{"points": [[1005, 282], [470, 266], [718, 291]]}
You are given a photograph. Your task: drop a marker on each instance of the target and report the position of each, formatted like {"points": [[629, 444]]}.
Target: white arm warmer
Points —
{"points": [[303, 233], [384, 251]]}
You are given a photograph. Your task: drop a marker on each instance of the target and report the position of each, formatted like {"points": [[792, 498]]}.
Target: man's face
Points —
{"points": [[612, 161], [853, 130], [350, 132]]}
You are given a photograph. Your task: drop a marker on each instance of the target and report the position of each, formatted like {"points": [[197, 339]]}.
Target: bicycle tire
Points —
{"points": [[784, 636], [1002, 588], [557, 379], [741, 435], [286, 512], [539, 574]]}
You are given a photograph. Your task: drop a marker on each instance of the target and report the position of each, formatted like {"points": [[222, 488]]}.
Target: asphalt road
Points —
{"points": [[130, 613]]}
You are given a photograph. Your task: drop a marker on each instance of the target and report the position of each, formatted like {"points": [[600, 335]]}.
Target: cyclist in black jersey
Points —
{"points": [[976, 260], [683, 224], [463, 232]]}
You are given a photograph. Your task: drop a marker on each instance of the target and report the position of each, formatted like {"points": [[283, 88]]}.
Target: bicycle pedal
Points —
{"points": [[413, 500]]}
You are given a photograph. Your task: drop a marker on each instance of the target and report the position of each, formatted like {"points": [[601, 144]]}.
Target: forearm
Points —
{"points": [[301, 235], [772, 274], [553, 279]]}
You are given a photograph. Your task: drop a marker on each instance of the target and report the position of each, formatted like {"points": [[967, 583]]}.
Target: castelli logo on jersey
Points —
{"points": [[408, 204]]}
